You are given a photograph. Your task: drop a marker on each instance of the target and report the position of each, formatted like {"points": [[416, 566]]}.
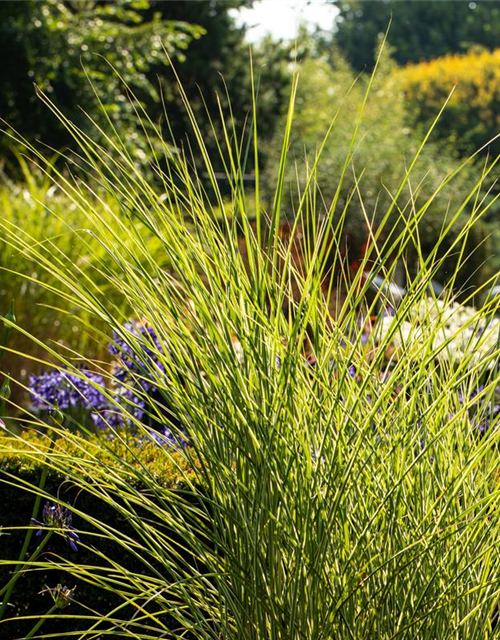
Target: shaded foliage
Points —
{"points": [[18, 459], [60, 47], [215, 75]]}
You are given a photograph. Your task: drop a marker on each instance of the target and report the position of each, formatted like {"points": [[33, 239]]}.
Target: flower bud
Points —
{"points": [[5, 390], [10, 315], [62, 595], [57, 415]]}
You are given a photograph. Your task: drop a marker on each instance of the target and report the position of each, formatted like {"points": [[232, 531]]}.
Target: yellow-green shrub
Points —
{"points": [[25, 456], [104, 462], [472, 84]]}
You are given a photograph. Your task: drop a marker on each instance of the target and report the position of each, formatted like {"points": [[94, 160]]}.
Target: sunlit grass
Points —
{"points": [[319, 503]]}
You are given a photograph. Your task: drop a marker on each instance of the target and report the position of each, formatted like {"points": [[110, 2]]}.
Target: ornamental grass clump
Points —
{"points": [[329, 489]]}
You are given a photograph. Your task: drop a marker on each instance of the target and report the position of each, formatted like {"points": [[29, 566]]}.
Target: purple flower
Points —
{"points": [[351, 370], [137, 349], [67, 390], [166, 437], [138, 367], [138, 352], [422, 447], [49, 389], [483, 410], [55, 516], [107, 418]]}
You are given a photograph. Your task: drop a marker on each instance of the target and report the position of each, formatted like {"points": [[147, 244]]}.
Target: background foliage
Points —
{"points": [[420, 30], [383, 151], [41, 214], [82, 54]]}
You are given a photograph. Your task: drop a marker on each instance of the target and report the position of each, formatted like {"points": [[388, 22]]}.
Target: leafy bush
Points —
{"points": [[471, 82], [418, 31], [59, 46], [127, 454]]}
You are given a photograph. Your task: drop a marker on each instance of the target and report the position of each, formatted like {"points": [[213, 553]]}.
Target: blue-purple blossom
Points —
{"points": [[137, 349], [66, 390], [105, 418], [55, 516], [138, 367], [137, 354], [166, 437], [351, 370], [423, 444], [70, 391]]}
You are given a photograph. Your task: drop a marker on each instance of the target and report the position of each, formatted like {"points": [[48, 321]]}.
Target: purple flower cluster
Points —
{"points": [[137, 353], [166, 437], [137, 349], [104, 418], [65, 390]]}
